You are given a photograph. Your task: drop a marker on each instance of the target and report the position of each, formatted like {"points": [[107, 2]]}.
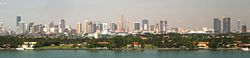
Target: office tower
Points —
{"points": [[121, 24], [85, 26], [238, 26], [157, 28], [100, 27], [244, 28], [30, 26], [152, 28], [61, 26], [18, 19], [217, 25], [136, 26], [161, 26], [166, 26], [126, 25], [145, 25], [112, 26], [79, 28], [21, 28], [104, 27], [226, 25], [94, 27], [90, 27]]}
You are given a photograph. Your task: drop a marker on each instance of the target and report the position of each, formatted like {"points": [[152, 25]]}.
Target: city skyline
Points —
{"points": [[182, 15]]}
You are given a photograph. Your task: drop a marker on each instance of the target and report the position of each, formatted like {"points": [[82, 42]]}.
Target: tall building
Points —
{"points": [[21, 28], [226, 25], [238, 26], [90, 27], [85, 26], [161, 26], [62, 26], [166, 26], [30, 27], [121, 24], [104, 27], [94, 27], [145, 26], [243, 28], [18, 19], [79, 28], [152, 27], [137, 26], [217, 25]]}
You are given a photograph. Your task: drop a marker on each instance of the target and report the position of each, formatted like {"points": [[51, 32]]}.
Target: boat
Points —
{"points": [[245, 49], [19, 48]]}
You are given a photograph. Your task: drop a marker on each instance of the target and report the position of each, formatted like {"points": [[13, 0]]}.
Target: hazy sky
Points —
{"points": [[179, 13]]}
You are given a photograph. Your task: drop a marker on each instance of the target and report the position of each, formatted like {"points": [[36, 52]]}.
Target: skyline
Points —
{"points": [[179, 14]]}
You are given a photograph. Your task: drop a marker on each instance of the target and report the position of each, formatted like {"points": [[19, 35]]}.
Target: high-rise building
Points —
{"points": [[243, 28], [105, 27], [166, 26], [94, 27], [226, 25], [90, 27], [121, 24], [217, 25], [30, 26], [62, 26], [79, 28], [18, 19], [21, 28], [161, 26], [238, 26], [152, 27], [137, 26], [145, 26], [85, 26]]}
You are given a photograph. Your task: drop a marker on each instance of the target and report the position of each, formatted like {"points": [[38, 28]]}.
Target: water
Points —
{"points": [[125, 54]]}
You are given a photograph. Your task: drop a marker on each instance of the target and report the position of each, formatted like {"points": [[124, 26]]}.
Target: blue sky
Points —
{"points": [[180, 13]]}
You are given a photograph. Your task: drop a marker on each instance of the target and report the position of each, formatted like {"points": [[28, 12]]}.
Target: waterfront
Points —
{"points": [[124, 54]]}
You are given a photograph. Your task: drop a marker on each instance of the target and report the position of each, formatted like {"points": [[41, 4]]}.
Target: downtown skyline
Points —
{"points": [[180, 14]]}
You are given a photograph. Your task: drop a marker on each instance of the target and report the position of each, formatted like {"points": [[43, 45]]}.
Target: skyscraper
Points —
{"points": [[161, 26], [62, 26], [217, 25], [166, 26], [79, 28], [238, 26], [121, 24], [136, 26], [21, 28], [243, 28], [85, 26], [145, 26], [30, 27], [18, 19], [226, 25]]}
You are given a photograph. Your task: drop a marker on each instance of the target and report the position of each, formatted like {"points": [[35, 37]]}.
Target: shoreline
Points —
{"points": [[123, 49]]}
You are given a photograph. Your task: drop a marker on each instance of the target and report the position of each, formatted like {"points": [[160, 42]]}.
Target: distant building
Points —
{"points": [[238, 26], [21, 28], [243, 28], [145, 25], [121, 24], [62, 26], [166, 26], [30, 27], [226, 25], [217, 25], [18, 19], [136, 26], [85, 26], [79, 28], [162, 26]]}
